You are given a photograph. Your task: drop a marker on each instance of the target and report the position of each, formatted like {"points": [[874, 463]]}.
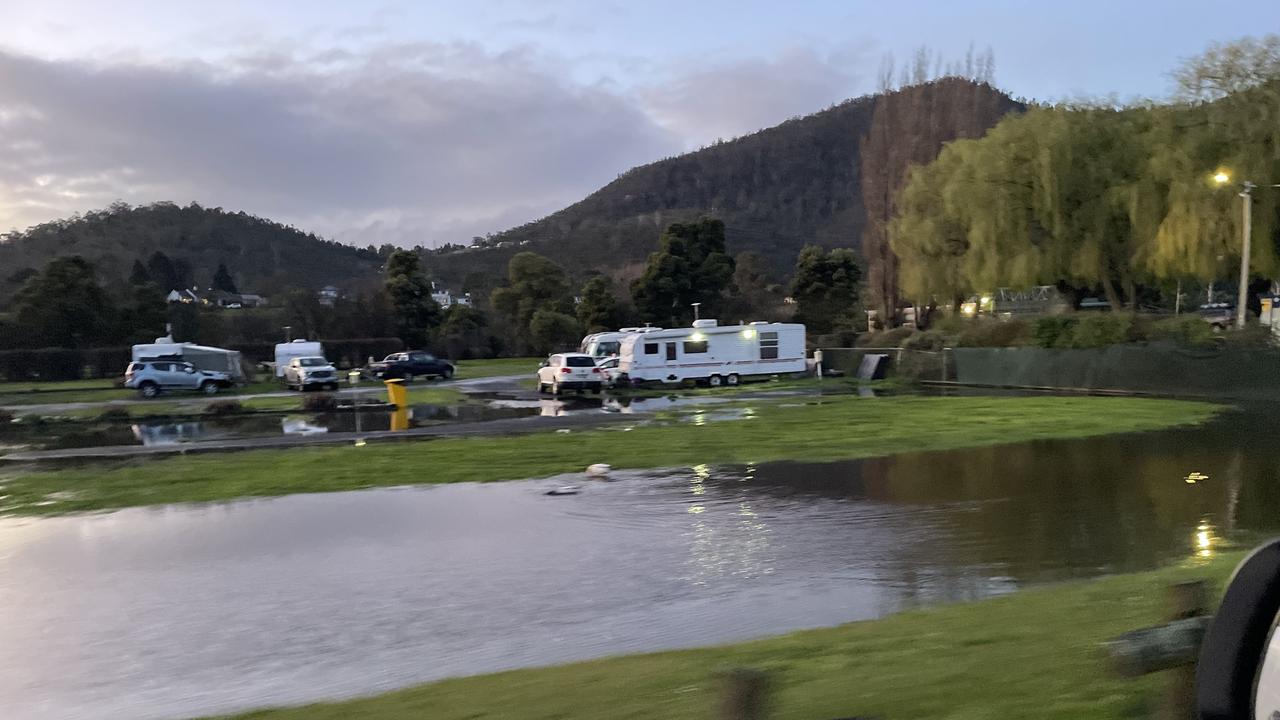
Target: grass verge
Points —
{"points": [[471, 369], [835, 428], [1033, 654]]}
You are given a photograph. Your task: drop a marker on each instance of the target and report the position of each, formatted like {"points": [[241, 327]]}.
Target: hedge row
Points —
{"points": [[66, 364]]}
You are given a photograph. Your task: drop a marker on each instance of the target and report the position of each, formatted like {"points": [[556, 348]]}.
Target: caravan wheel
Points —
{"points": [[732, 379], [714, 381]]}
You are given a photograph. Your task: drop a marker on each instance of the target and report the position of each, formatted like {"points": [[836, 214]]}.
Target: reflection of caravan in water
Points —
{"points": [[711, 353], [607, 344]]}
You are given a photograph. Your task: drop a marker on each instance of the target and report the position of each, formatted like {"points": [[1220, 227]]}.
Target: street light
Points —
{"points": [[1246, 238]]}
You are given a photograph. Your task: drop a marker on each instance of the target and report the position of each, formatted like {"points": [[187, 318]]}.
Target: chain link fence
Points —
{"points": [[903, 363]]}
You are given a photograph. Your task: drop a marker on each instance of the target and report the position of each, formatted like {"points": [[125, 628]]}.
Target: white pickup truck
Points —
{"points": [[307, 372]]}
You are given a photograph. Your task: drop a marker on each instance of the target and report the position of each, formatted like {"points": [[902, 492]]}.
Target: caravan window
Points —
{"points": [[695, 346], [651, 348], [768, 346]]}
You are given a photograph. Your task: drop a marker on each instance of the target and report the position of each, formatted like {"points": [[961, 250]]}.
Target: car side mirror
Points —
{"points": [[1238, 673], [191, 370], [543, 364]]}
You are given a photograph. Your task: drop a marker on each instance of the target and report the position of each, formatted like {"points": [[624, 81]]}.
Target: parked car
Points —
{"points": [[609, 369], [410, 365], [152, 377], [1220, 315], [570, 371], [306, 372]]}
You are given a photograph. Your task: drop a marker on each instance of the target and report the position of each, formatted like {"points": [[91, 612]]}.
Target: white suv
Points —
{"points": [[151, 377], [304, 372], [570, 371]]}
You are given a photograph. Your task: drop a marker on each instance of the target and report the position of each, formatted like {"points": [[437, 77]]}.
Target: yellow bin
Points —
{"points": [[397, 393]]}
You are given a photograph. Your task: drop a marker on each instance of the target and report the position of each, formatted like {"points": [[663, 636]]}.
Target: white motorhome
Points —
{"points": [[607, 344], [298, 348], [716, 354]]}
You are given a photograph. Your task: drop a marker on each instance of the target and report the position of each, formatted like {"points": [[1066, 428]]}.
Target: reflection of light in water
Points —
{"points": [[724, 544], [1204, 539], [1195, 477], [699, 418]]}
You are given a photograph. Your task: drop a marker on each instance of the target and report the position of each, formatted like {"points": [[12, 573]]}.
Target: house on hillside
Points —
{"points": [[182, 296], [445, 298], [224, 299], [328, 295]]}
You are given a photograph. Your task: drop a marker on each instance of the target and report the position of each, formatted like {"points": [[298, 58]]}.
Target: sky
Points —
{"points": [[430, 122]]}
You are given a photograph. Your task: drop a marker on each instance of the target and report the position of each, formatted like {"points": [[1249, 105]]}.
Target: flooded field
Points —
{"points": [[184, 610]]}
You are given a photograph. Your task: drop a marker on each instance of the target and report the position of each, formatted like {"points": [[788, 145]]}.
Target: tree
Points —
{"points": [[303, 313], [599, 308], [1228, 68], [690, 266], [139, 275], [64, 306], [755, 295], [465, 333], [161, 271], [222, 280], [533, 283], [550, 331], [145, 315], [416, 313], [825, 287]]}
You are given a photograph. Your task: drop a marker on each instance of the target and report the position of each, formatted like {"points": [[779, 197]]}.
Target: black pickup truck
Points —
{"points": [[410, 365]]}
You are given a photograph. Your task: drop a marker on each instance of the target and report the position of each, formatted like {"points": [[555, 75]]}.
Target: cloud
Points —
{"points": [[411, 143], [704, 103]]}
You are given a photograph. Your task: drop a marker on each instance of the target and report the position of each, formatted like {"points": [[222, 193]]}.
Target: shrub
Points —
{"points": [[929, 340], [1049, 331], [114, 414], [1100, 330], [1189, 330], [320, 403], [885, 338], [224, 407], [995, 333]]}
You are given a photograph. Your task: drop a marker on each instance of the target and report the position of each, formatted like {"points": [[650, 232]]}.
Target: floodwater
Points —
{"points": [[186, 610]]}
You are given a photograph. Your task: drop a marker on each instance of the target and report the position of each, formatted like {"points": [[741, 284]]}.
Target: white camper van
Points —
{"points": [[716, 354], [296, 349], [607, 344]]}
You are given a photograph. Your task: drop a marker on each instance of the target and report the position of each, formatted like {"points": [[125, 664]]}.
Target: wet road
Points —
{"points": [[179, 611]]}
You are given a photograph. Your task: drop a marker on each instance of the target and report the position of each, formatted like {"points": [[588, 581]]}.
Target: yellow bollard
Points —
{"points": [[397, 393], [400, 418]]}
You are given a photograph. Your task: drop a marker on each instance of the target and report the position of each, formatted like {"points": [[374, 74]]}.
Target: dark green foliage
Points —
{"points": [[551, 331], [63, 306], [534, 284], [825, 287], [161, 271], [143, 318], [1049, 330], [114, 414], [995, 333], [465, 334], [139, 275], [885, 338], [1188, 330], [194, 240], [599, 308], [929, 340], [222, 279], [63, 363], [1100, 330], [691, 265], [416, 313]]}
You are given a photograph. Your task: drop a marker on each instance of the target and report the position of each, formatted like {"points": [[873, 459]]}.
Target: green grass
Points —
{"points": [[470, 369], [836, 428], [1033, 654]]}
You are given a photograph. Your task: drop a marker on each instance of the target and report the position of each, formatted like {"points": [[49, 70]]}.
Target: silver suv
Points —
{"points": [[151, 377]]}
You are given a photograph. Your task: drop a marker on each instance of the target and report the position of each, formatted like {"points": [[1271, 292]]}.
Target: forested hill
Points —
{"points": [[261, 255], [776, 190]]}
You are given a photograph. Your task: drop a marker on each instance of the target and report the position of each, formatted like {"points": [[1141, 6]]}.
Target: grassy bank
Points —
{"points": [[835, 428], [1034, 654], [471, 369]]}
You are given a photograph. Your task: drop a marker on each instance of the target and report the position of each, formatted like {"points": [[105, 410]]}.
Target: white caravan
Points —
{"points": [[607, 344], [296, 349], [716, 354]]}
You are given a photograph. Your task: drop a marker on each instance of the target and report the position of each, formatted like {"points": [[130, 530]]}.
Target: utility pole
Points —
{"points": [[1246, 232]]}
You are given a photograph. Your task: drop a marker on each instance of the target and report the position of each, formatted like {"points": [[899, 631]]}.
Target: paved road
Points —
{"points": [[503, 383], [515, 426]]}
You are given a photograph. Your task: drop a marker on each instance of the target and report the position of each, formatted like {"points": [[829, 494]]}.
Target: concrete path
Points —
{"points": [[515, 426]]}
